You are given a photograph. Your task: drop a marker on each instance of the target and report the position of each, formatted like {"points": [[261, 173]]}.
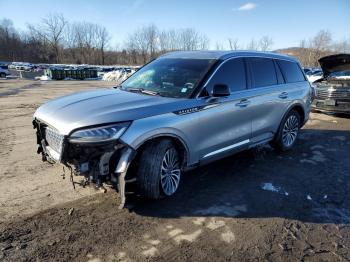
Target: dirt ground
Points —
{"points": [[256, 205]]}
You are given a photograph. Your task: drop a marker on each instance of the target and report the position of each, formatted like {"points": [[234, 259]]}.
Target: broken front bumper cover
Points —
{"points": [[98, 161]]}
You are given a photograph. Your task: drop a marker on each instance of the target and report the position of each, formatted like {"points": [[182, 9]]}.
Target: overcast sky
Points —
{"points": [[287, 22]]}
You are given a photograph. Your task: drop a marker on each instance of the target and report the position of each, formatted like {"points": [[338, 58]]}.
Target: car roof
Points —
{"points": [[222, 55]]}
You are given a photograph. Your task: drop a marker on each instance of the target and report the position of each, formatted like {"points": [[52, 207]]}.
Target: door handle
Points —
{"points": [[243, 103], [283, 95]]}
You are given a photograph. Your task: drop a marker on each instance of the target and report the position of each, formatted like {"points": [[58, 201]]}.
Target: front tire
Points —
{"points": [[159, 170], [288, 132]]}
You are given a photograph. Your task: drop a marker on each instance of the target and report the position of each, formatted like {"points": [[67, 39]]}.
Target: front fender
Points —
{"points": [[166, 125]]}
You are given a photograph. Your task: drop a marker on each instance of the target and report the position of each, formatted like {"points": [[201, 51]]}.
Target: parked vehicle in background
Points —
{"points": [[180, 111], [21, 66], [307, 70], [4, 73], [4, 65], [314, 76], [24, 67], [332, 92]]}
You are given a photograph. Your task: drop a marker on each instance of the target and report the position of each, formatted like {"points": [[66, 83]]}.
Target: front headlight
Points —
{"points": [[98, 134]]}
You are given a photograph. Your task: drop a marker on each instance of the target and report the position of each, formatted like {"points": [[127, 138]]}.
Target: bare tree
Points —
{"points": [[320, 44], [304, 53], [322, 40], [342, 46], [252, 45], [9, 40], [190, 40], [265, 43], [102, 41], [144, 41], [168, 40], [233, 43], [51, 30], [219, 46]]}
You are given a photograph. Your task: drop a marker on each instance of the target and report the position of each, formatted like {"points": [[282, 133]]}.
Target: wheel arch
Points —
{"points": [[179, 143], [298, 107]]}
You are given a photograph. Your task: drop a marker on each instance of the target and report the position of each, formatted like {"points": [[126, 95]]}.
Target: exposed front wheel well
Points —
{"points": [[176, 141], [180, 147]]}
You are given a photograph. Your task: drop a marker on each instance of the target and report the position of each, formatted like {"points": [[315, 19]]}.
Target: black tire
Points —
{"points": [[150, 168], [2, 75], [279, 142]]}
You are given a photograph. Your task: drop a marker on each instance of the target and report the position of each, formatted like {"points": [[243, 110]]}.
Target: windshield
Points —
{"points": [[170, 77]]}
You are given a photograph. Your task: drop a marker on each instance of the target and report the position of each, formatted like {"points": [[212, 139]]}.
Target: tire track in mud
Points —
{"points": [[7, 140], [17, 90]]}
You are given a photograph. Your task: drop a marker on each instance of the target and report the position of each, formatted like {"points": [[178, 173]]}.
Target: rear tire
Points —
{"points": [[159, 170], [288, 132]]}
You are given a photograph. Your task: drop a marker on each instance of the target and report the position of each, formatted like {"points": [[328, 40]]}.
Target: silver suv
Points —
{"points": [[180, 111]]}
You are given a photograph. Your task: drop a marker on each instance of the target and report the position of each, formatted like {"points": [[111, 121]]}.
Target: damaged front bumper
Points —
{"points": [[99, 163]]}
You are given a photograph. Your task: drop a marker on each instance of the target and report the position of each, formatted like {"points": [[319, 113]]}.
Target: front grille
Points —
{"points": [[333, 93], [54, 139]]}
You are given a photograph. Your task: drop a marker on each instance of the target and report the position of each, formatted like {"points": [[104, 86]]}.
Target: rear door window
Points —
{"points": [[263, 72], [291, 71], [231, 73]]}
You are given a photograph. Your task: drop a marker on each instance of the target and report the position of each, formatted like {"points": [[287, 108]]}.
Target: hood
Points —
{"points": [[332, 63], [103, 106]]}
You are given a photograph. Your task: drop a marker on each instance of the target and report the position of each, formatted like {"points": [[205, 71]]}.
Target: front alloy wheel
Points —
{"points": [[170, 172], [159, 169]]}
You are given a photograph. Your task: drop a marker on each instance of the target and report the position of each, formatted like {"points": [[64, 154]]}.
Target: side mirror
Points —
{"points": [[220, 90]]}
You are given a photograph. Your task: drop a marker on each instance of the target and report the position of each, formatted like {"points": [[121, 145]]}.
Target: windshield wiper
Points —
{"points": [[143, 91], [149, 92]]}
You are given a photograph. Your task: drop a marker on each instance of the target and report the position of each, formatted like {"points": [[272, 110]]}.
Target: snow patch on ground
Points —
{"points": [[272, 188], [318, 156], [341, 138], [317, 147], [43, 78]]}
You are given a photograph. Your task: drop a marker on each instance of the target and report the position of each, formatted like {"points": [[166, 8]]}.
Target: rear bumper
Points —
{"points": [[340, 106]]}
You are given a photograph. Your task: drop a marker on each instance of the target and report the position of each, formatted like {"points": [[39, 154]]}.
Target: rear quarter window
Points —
{"points": [[291, 71]]}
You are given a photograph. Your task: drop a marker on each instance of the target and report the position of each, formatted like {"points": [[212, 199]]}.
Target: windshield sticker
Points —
{"points": [[184, 90]]}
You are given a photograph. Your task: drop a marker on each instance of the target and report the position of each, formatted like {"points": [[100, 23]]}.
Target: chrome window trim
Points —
{"points": [[241, 56]]}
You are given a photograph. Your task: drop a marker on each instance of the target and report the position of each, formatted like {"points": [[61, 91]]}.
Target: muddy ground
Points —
{"points": [[257, 205]]}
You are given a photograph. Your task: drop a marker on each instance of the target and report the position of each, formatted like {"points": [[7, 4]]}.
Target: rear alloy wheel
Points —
{"points": [[288, 132], [2, 75], [159, 170]]}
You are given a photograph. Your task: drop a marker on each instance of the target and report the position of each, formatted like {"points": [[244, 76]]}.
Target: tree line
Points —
{"points": [[56, 40], [312, 49]]}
